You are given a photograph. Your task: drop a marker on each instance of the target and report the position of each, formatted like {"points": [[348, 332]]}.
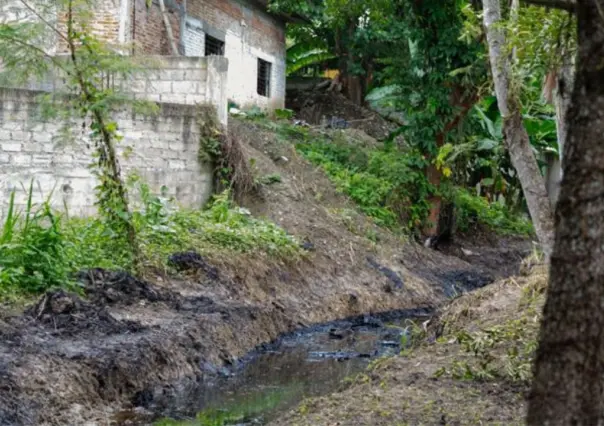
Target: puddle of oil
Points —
{"points": [[308, 364]]}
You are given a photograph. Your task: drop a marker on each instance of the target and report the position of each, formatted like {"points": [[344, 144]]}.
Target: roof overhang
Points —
{"points": [[290, 18]]}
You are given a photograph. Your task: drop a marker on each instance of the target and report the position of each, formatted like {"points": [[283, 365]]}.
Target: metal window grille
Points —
{"points": [[214, 46], [264, 78]]}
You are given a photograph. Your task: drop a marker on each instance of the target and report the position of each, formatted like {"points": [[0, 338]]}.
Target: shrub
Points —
{"points": [[473, 210], [41, 249]]}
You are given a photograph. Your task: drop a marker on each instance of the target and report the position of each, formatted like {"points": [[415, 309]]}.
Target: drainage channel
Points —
{"points": [[277, 377]]}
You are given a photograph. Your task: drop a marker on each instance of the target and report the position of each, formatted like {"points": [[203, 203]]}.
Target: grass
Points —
{"points": [[41, 249]]}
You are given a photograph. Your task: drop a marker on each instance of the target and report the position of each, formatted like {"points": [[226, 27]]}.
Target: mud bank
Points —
{"points": [[72, 360], [69, 360]]}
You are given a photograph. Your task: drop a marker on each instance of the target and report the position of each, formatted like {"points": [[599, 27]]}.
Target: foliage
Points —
{"points": [[504, 351], [85, 94], [388, 184], [42, 249], [472, 210], [301, 56], [33, 249]]}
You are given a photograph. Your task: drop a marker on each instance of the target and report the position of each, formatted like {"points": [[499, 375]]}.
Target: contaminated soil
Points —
{"points": [[411, 390], [71, 359]]}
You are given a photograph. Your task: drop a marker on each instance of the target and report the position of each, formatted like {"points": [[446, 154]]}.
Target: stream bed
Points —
{"points": [[277, 377]]}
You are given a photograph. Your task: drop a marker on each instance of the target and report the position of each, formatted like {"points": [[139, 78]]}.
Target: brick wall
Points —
{"points": [[248, 31], [164, 147], [148, 30]]}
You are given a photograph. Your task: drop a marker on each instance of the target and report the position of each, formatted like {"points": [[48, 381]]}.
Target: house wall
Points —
{"points": [[248, 31], [164, 152]]}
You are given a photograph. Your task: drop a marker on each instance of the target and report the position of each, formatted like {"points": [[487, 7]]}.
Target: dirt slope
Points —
{"points": [[74, 361]]}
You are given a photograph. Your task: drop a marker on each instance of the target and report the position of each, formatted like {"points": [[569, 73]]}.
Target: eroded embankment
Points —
{"points": [[72, 361], [68, 360]]}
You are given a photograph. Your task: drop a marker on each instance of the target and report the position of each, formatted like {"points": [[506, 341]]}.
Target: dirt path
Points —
{"points": [[73, 361]]}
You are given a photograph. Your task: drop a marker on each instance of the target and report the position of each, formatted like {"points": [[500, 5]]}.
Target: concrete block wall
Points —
{"points": [[163, 149], [168, 79]]}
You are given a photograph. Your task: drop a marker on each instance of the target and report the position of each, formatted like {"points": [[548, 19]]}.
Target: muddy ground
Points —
{"points": [[409, 390], [70, 360]]}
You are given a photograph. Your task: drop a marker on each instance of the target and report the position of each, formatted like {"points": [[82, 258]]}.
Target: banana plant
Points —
{"points": [[302, 55]]}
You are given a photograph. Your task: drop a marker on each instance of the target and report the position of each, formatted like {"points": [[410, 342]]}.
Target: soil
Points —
{"points": [[80, 360], [336, 110], [406, 390]]}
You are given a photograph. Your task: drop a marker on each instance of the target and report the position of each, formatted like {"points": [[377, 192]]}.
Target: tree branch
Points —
{"points": [[41, 18], [568, 5]]}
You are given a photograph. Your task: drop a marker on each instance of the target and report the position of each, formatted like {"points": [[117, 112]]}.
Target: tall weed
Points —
{"points": [[41, 249]]}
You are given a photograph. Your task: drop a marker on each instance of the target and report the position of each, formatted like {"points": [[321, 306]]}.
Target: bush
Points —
{"points": [[472, 210], [40, 249], [33, 250]]}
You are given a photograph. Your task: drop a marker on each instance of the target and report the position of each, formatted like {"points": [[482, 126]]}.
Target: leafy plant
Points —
{"points": [[472, 210], [33, 251], [40, 249], [389, 185]]}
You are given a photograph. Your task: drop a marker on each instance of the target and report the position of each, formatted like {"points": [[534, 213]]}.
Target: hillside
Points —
{"points": [[128, 343]]}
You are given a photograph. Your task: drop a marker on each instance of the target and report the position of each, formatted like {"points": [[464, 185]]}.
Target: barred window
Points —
{"points": [[214, 46], [264, 77]]}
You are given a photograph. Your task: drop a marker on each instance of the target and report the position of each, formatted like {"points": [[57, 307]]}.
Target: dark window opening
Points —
{"points": [[264, 78], [214, 46]]}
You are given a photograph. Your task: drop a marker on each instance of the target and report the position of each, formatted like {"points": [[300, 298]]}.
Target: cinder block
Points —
{"points": [[11, 146]]}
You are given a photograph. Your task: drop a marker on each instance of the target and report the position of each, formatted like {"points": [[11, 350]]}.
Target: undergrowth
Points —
{"points": [[500, 352], [41, 249], [389, 183], [472, 210]]}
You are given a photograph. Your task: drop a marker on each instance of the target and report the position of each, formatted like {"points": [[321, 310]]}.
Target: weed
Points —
{"points": [[472, 210], [388, 185], [505, 351], [41, 249], [32, 248], [269, 179]]}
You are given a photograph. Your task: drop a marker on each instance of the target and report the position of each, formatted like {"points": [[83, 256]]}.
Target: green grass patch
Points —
{"points": [[41, 249], [387, 184]]}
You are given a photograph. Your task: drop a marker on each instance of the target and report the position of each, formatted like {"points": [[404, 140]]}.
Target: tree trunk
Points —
{"points": [[568, 388], [516, 137], [562, 101], [463, 101], [168, 26]]}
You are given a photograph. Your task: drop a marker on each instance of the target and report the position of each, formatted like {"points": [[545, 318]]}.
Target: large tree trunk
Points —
{"points": [[568, 388], [515, 134]]}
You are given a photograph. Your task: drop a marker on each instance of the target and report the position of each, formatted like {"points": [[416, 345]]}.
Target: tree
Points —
{"points": [[516, 137], [568, 387]]}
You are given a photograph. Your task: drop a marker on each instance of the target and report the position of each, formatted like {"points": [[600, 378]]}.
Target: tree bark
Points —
{"points": [[168, 26], [568, 388], [562, 97], [515, 135]]}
